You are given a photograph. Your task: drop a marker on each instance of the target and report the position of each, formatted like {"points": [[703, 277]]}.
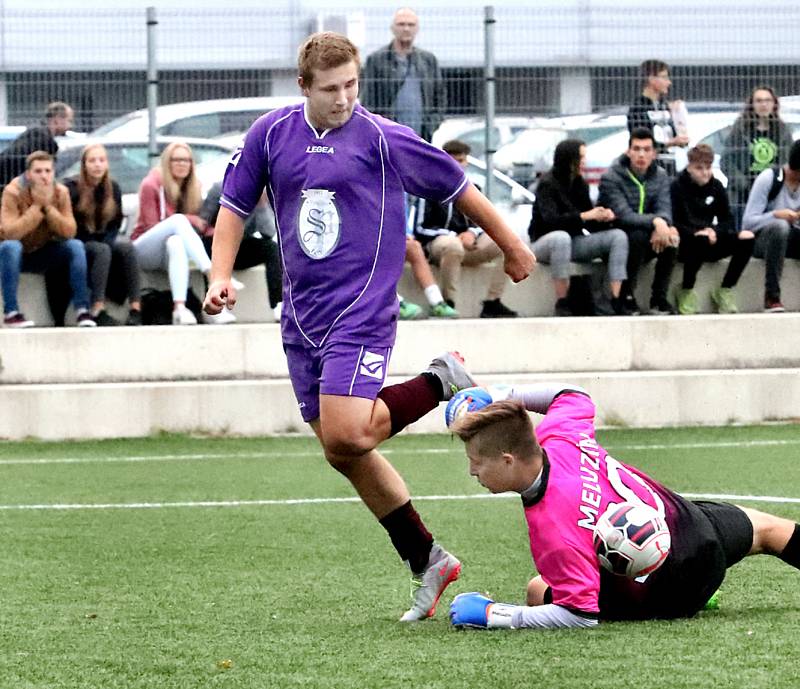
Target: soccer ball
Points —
{"points": [[631, 539]]}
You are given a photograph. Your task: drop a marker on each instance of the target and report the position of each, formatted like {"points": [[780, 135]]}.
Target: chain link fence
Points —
{"points": [[551, 58]]}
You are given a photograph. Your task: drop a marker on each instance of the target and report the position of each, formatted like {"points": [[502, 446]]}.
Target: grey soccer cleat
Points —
{"points": [[449, 369], [426, 588]]}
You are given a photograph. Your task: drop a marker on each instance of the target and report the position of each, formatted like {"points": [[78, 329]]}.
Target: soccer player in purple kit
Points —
{"points": [[566, 481], [336, 175]]}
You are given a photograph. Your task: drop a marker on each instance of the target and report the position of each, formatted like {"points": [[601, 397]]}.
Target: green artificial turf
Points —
{"points": [[307, 594]]}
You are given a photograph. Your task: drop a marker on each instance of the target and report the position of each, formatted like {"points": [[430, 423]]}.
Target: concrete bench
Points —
{"points": [[533, 297], [252, 307]]}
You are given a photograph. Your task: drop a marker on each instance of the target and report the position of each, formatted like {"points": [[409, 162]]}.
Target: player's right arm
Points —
{"points": [[519, 259], [227, 237], [478, 611], [242, 187]]}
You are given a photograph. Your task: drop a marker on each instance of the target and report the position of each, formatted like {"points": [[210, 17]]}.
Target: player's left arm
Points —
{"points": [[519, 259], [481, 612]]}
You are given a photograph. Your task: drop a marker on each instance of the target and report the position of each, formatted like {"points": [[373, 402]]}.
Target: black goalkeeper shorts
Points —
{"points": [[708, 538]]}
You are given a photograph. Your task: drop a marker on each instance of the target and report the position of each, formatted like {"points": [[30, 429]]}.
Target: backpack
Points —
{"points": [[157, 306], [777, 183]]}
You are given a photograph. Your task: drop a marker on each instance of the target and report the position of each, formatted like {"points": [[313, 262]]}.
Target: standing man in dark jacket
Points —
{"points": [[702, 214], [403, 82], [637, 190], [58, 120]]}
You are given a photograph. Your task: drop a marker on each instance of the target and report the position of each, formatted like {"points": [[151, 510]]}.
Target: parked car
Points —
{"points": [[512, 200], [8, 133], [472, 131], [197, 119], [710, 128], [129, 162], [530, 153]]}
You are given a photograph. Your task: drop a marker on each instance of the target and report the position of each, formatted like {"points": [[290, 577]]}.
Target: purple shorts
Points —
{"points": [[335, 369]]}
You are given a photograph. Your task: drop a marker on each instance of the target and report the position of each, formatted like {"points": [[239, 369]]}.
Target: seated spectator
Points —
{"points": [[415, 257], [257, 247], [773, 215], [97, 207], [566, 226], [702, 214], [166, 233], [38, 229], [636, 189], [451, 240], [758, 139]]}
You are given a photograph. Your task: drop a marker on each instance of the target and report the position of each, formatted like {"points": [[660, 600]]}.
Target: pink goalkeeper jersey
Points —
{"points": [[579, 481]]}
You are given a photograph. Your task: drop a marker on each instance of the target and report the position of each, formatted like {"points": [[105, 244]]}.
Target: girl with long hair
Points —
{"points": [[566, 226], [758, 139], [97, 207], [166, 236]]}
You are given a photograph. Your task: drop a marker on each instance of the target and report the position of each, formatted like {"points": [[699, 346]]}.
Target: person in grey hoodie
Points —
{"points": [[638, 191], [773, 215]]}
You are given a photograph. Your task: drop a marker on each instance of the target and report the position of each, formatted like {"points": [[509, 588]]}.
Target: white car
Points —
{"points": [[530, 153], [710, 128], [129, 162], [472, 131], [512, 200], [205, 119]]}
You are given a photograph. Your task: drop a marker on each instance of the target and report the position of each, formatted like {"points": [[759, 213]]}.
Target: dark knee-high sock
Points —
{"points": [[409, 536], [791, 553], [411, 400]]}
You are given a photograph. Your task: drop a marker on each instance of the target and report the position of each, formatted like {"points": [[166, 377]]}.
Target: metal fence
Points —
{"points": [[551, 58]]}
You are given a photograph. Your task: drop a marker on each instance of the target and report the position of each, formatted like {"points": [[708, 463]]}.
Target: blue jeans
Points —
{"points": [[68, 253]]}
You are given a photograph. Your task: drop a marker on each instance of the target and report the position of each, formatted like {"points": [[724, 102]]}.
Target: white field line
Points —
{"points": [[387, 451], [324, 501]]}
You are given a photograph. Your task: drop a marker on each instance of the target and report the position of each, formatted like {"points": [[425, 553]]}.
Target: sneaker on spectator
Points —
{"points": [[494, 308], [15, 319], [661, 307], [104, 320], [410, 311], [182, 316], [630, 305], [85, 319], [773, 305], [443, 310], [724, 298], [224, 317], [562, 308], [134, 317], [687, 302]]}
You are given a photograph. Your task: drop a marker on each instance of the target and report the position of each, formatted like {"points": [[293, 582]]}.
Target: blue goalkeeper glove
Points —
{"points": [[470, 610], [466, 400]]}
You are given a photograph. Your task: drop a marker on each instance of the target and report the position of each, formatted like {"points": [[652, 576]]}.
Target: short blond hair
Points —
{"points": [[503, 426], [325, 50]]}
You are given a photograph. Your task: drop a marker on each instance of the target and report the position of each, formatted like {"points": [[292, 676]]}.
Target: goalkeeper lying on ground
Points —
{"points": [[567, 481]]}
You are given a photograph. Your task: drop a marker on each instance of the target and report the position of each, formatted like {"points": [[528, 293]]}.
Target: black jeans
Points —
{"points": [[253, 251], [696, 250], [640, 252]]}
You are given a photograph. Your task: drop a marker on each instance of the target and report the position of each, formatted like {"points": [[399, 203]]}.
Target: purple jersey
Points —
{"points": [[580, 481], [339, 204]]}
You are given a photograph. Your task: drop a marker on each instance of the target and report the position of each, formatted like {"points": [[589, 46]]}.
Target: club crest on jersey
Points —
{"points": [[318, 225], [372, 365]]}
